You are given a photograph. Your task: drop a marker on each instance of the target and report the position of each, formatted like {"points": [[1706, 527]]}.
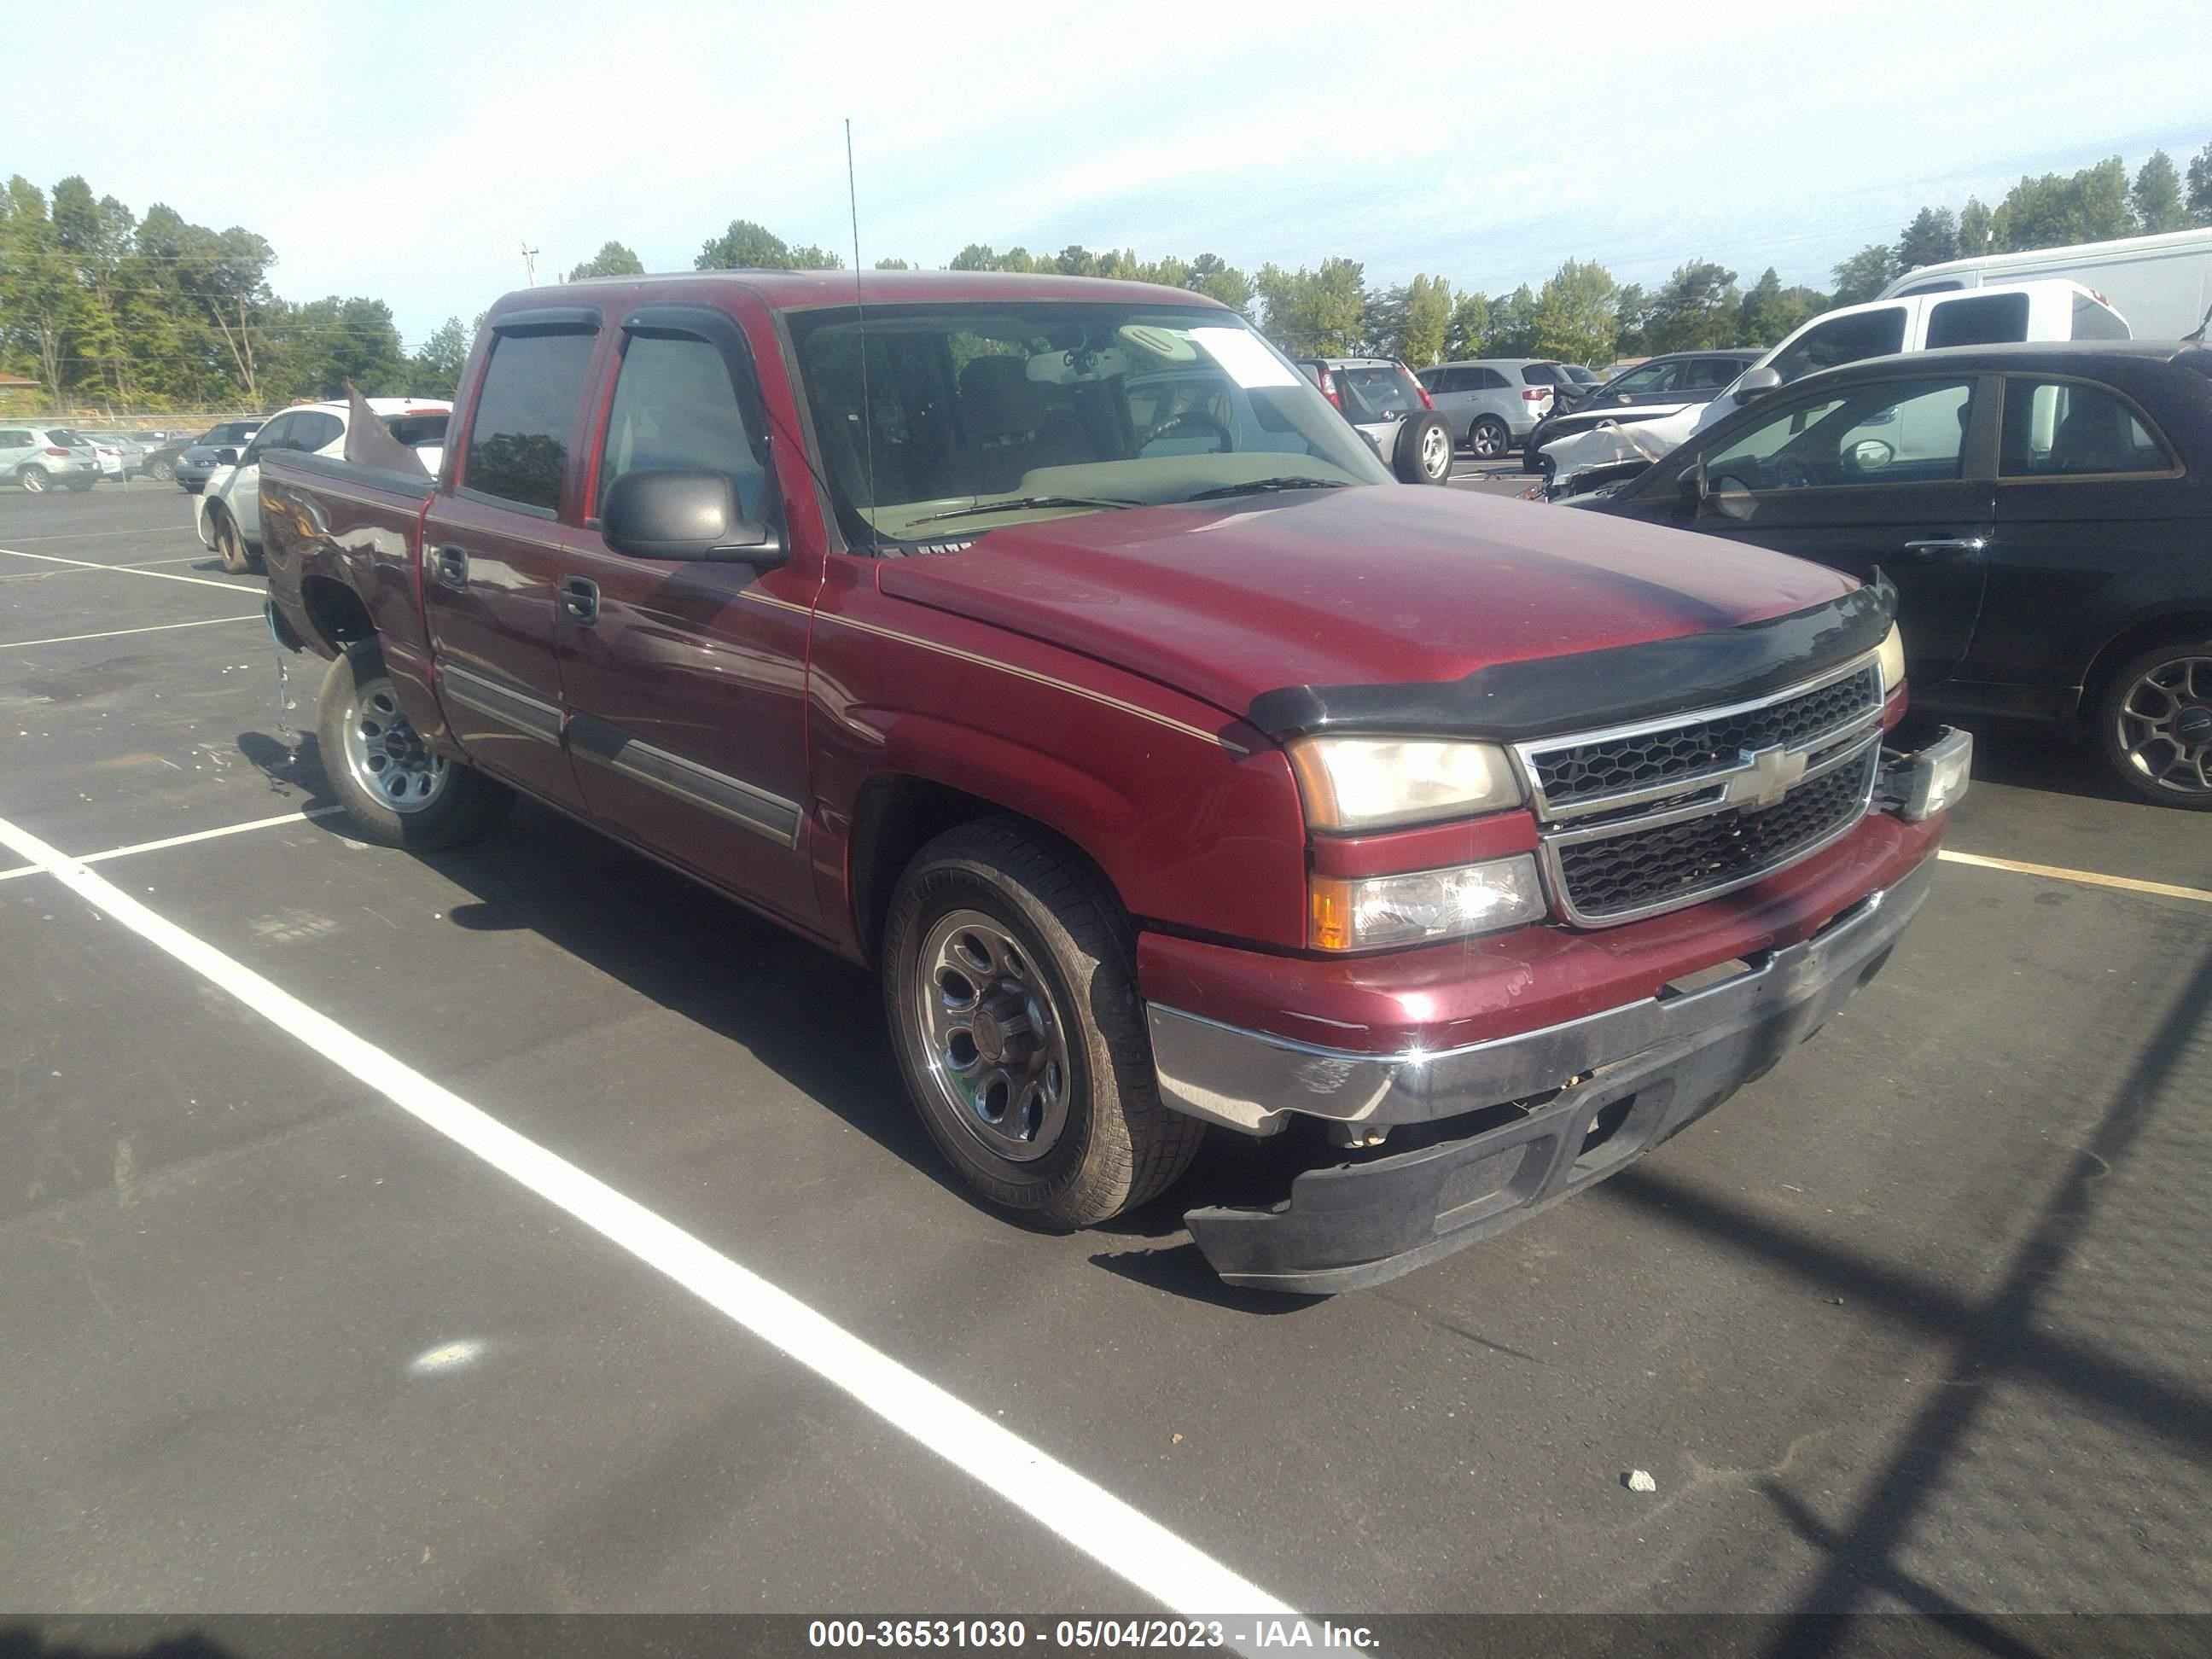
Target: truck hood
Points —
{"points": [[1368, 586]]}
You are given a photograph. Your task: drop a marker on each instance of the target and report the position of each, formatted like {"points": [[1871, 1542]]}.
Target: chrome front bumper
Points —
{"points": [[1253, 1082]]}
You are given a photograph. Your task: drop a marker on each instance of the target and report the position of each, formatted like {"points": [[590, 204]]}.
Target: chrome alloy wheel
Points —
{"points": [[385, 755], [1488, 440], [2166, 724], [1437, 452], [996, 1044]]}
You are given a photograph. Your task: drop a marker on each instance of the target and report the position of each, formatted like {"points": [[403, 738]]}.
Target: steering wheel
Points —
{"points": [[1189, 417], [1790, 473]]}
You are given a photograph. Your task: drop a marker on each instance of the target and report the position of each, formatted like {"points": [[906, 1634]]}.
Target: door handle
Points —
{"points": [[1944, 547], [450, 565], [580, 599]]}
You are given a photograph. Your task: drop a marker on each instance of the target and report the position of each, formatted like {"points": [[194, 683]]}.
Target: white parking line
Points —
{"points": [[185, 840], [1173, 1571], [124, 569], [2085, 877], [117, 633]]}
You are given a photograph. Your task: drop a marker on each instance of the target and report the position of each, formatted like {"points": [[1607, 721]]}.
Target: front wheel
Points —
{"points": [[1010, 981], [160, 472], [2154, 725], [1488, 439], [396, 791], [230, 546]]}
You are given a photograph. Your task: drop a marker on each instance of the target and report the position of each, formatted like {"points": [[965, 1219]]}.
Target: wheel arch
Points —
{"points": [[335, 614], [2191, 623]]}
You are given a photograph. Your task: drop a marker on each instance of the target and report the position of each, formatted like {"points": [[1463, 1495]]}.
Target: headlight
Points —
{"points": [[1376, 913], [1379, 783], [1893, 661]]}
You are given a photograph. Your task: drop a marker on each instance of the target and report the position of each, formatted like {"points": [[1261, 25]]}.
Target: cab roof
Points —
{"points": [[797, 290]]}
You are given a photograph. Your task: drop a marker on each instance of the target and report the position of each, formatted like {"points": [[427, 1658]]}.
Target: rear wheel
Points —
{"points": [[2154, 725], [160, 472], [33, 479], [1010, 979], [1488, 438], [1423, 454], [396, 791]]}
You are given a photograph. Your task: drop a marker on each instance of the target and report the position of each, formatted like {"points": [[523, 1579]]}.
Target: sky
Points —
{"points": [[409, 151]]}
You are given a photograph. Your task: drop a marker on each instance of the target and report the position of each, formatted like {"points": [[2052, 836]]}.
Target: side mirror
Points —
{"points": [[227, 455], [1757, 383], [685, 512]]}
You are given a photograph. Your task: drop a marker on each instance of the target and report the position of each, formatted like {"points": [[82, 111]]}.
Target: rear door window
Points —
{"points": [[518, 439], [1977, 319], [1711, 374], [1842, 340], [2062, 429]]}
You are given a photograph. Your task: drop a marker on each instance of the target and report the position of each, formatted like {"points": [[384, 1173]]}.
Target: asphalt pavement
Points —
{"points": [[1923, 1320]]}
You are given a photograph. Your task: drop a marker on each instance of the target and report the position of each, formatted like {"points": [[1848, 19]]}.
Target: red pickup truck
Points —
{"points": [[1053, 646]]}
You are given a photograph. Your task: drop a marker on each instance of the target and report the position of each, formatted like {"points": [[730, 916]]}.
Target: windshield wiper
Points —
{"points": [[1022, 504], [1260, 485]]}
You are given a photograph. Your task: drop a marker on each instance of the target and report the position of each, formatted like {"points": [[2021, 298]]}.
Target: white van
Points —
{"points": [[2163, 283], [1989, 315]]}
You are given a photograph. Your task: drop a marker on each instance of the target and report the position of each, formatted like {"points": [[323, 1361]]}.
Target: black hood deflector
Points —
{"points": [[1544, 696]]}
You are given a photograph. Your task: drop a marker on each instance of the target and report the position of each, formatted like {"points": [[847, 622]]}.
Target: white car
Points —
{"points": [[228, 512], [1995, 315]]}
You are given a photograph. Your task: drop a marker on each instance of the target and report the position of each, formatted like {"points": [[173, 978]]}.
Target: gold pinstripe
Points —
{"points": [[1034, 679]]}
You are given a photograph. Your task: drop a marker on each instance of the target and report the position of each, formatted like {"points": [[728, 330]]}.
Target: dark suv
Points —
{"points": [[1658, 386]]}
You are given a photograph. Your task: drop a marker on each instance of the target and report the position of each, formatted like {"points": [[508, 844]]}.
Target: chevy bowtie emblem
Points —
{"points": [[1768, 775]]}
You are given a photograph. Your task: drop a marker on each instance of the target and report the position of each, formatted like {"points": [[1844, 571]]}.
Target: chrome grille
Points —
{"points": [[1574, 772], [1646, 819], [1614, 877]]}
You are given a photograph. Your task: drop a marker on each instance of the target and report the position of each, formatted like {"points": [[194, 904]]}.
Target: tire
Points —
{"points": [[229, 546], [1423, 454], [1489, 439], [2154, 725], [997, 916], [34, 480], [357, 719], [160, 472]]}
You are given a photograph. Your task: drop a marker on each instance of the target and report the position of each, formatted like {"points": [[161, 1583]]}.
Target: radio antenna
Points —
{"points": [[860, 315]]}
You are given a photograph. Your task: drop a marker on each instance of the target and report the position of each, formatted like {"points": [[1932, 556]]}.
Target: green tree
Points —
{"points": [[2200, 187], [1696, 311], [1075, 260], [893, 265], [434, 371], [222, 279], [1315, 314], [1631, 312], [1770, 310], [2156, 194], [1467, 334], [316, 348], [807, 257], [1929, 239], [96, 238], [2090, 206], [1973, 228], [41, 304], [745, 246], [1575, 316], [612, 259], [1216, 279], [1512, 331], [976, 256], [1864, 274]]}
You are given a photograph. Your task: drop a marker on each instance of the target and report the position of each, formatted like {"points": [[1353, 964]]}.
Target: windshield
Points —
{"points": [[1062, 408]]}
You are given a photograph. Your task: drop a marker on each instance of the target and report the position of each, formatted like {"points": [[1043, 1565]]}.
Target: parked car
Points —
{"points": [[42, 457], [229, 514], [1391, 410], [1164, 790], [1492, 403], [219, 446], [2045, 512], [121, 457], [1659, 386], [2162, 284]]}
